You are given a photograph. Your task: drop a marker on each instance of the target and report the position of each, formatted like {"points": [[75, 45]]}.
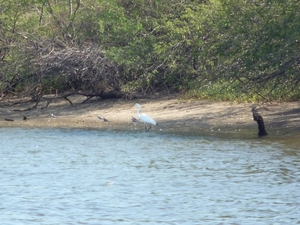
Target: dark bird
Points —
{"points": [[134, 120], [260, 122], [102, 118], [24, 118]]}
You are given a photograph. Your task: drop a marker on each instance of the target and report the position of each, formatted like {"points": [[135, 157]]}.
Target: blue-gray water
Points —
{"points": [[65, 176]]}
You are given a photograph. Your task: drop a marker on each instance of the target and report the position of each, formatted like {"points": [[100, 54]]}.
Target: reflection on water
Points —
{"points": [[65, 176]]}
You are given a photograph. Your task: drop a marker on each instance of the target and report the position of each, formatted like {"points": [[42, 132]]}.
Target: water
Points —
{"points": [[65, 176]]}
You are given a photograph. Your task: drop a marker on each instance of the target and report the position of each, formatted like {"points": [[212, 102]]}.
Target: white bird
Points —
{"points": [[144, 118], [53, 116]]}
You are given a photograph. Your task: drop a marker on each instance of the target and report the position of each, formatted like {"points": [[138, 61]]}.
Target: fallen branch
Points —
{"points": [[260, 122]]}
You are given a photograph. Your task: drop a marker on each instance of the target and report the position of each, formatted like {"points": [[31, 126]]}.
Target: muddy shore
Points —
{"points": [[172, 114]]}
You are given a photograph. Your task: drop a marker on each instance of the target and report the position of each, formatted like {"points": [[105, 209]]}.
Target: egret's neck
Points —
{"points": [[138, 111]]}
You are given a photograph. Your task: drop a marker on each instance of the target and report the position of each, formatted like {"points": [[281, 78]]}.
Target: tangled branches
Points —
{"points": [[53, 68], [76, 69]]}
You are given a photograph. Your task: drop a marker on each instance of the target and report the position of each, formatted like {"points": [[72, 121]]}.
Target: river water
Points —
{"points": [[73, 176]]}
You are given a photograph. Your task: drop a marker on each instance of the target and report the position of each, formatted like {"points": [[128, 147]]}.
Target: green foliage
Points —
{"points": [[237, 50]]}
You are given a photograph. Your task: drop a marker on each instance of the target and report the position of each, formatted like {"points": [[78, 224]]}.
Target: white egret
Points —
{"points": [[144, 118]]}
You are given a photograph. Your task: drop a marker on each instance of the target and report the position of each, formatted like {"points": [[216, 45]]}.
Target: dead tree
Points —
{"points": [[260, 122]]}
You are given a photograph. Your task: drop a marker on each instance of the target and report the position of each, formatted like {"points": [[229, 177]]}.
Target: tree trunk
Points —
{"points": [[260, 122]]}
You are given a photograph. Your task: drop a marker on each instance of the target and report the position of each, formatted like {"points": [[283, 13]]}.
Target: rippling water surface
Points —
{"points": [[65, 176]]}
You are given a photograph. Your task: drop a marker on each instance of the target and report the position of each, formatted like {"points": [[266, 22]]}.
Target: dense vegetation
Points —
{"points": [[246, 50]]}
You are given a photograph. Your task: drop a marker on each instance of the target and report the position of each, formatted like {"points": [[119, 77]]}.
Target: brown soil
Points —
{"points": [[172, 115]]}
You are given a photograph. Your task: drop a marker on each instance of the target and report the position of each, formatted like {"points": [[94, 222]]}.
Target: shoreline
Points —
{"points": [[173, 116]]}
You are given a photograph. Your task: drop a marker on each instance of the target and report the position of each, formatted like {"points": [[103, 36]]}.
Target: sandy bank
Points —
{"points": [[172, 115]]}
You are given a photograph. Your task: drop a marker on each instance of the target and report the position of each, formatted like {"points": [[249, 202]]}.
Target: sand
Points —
{"points": [[173, 115]]}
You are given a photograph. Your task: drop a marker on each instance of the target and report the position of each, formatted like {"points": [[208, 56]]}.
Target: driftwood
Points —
{"points": [[66, 96], [102, 95], [23, 110], [260, 122]]}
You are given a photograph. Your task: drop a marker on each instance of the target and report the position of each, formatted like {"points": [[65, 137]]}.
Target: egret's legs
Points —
{"points": [[147, 128]]}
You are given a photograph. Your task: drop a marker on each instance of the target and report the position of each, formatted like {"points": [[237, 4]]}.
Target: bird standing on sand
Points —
{"points": [[144, 118], [134, 120], [102, 118]]}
